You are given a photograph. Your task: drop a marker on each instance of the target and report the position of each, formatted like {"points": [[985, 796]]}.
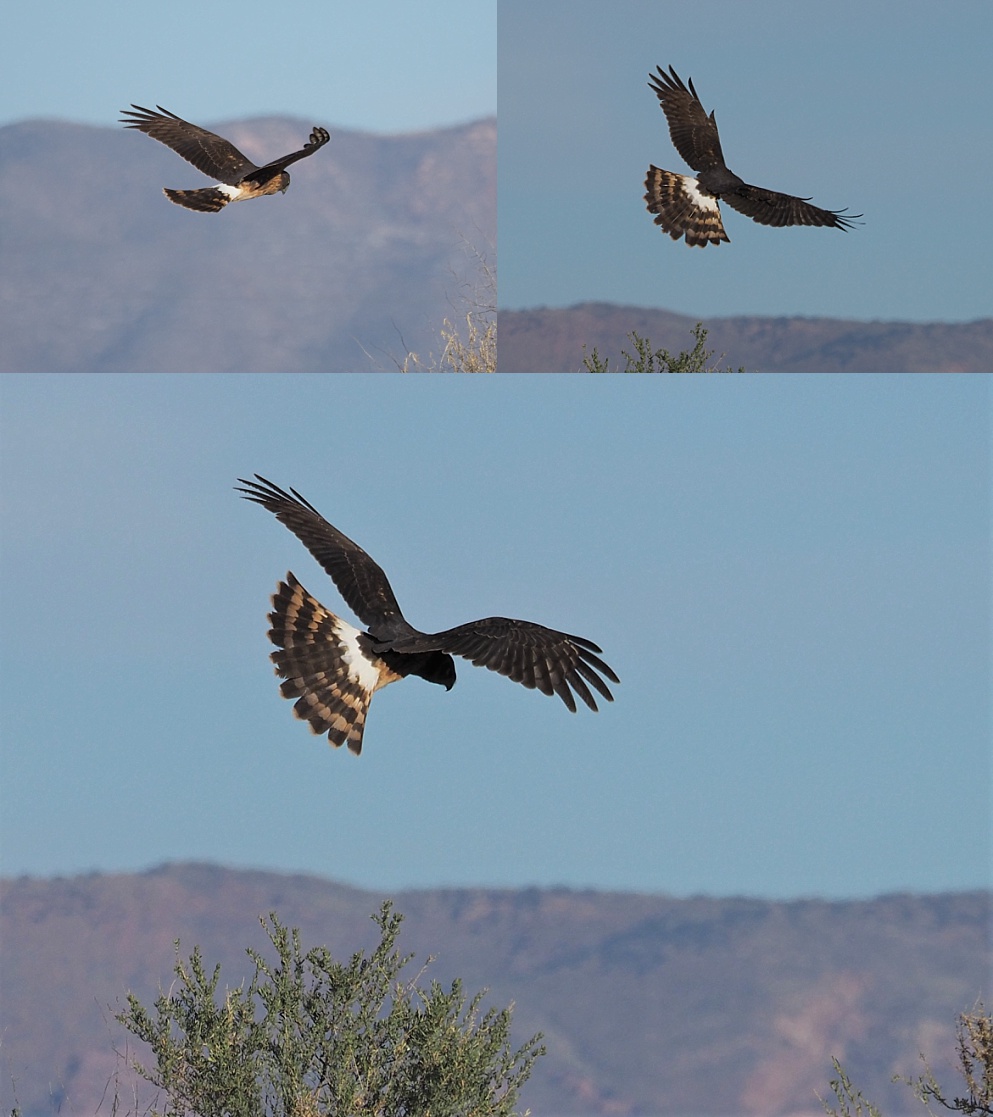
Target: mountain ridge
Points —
{"points": [[549, 339], [375, 243]]}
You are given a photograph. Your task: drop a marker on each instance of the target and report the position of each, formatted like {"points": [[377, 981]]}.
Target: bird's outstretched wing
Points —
{"points": [[540, 658], [210, 153], [693, 132], [318, 138], [360, 581], [768, 207]]}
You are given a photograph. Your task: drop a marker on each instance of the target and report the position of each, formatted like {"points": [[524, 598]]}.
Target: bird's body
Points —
{"points": [[332, 669], [687, 206], [240, 178]]}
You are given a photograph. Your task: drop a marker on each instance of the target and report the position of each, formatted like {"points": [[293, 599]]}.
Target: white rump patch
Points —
{"points": [[698, 197], [233, 192], [366, 674]]}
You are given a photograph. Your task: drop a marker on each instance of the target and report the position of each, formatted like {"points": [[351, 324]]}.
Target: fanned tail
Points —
{"points": [[326, 665], [207, 200]]}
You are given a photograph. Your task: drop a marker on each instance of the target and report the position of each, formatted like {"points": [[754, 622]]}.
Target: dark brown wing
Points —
{"points": [[209, 153], [360, 581], [694, 133], [538, 657], [318, 138], [768, 207], [528, 653]]}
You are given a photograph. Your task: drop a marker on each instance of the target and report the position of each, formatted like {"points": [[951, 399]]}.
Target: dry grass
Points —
{"points": [[470, 345]]}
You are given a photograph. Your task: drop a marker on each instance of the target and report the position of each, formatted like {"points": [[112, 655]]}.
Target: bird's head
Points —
{"points": [[284, 182], [440, 669], [436, 667]]}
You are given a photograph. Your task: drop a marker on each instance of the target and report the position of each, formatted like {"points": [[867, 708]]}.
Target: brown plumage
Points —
{"points": [[333, 669], [240, 178], [687, 207]]}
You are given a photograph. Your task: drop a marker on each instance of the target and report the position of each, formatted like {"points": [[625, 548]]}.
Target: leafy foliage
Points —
{"points": [[850, 1102], [310, 1036], [975, 1056], [647, 359], [974, 1044]]}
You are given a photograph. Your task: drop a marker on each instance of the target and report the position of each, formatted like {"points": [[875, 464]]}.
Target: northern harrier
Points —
{"points": [[688, 206], [333, 669], [215, 156]]}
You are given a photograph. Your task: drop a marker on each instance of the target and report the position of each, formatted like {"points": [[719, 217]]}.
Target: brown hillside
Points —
{"points": [[649, 1004], [369, 251], [550, 340]]}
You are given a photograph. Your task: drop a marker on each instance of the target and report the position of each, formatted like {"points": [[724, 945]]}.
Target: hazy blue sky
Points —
{"points": [[386, 66], [790, 576], [883, 107]]}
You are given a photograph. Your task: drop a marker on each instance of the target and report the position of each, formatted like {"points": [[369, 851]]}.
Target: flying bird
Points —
{"points": [[215, 156], [687, 206], [333, 669]]}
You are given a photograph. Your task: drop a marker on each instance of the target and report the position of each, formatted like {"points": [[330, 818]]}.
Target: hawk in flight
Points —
{"points": [[333, 669], [686, 206], [239, 176]]}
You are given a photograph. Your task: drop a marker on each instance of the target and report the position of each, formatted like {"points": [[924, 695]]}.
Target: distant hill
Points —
{"points": [[549, 340], [363, 258], [649, 1004]]}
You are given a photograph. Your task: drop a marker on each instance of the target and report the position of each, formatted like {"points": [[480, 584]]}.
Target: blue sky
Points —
{"points": [[385, 66], [789, 575], [881, 107]]}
